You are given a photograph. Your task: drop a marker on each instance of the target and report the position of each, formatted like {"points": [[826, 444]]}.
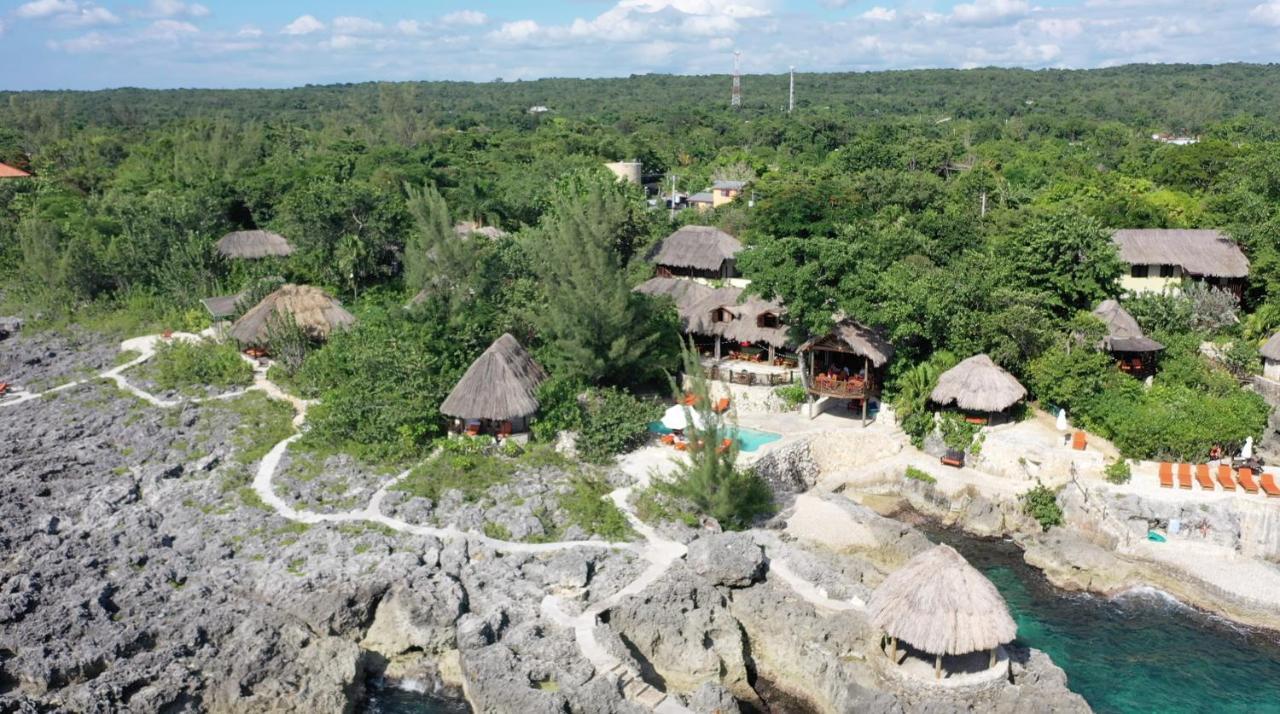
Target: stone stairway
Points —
{"points": [[638, 691]]}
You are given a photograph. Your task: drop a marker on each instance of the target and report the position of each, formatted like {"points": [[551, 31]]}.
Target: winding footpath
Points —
{"points": [[659, 552]]}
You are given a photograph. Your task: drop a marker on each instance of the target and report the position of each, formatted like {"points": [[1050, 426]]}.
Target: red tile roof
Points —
{"points": [[7, 171]]}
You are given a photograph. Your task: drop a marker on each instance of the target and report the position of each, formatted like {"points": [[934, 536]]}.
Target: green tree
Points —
{"points": [[1066, 255], [596, 328]]}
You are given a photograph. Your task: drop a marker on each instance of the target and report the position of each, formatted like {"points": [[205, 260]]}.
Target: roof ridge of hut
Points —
{"points": [[1124, 334], [858, 338], [500, 385]]}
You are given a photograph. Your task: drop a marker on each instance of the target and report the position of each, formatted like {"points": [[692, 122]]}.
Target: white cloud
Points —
{"points": [[1268, 13], [37, 9], [1061, 28], [355, 26], [465, 18], [731, 8], [880, 14], [88, 16], [304, 25], [2, 28], [174, 8], [169, 30], [518, 31], [250, 31], [410, 27], [989, 12]]}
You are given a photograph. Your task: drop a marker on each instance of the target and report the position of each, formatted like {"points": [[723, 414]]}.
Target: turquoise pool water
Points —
{"points": [[1137, 653], [748, 439]]}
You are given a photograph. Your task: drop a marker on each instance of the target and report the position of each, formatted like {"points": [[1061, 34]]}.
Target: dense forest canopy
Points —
{"points": [[960, 211]]}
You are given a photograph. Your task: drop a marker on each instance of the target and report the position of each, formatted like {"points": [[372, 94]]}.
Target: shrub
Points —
{"points": [[470, 474], [614, 422], [289, 342], [178, 364], [916, 474], [559, 409], [958, 433], [1119, 472], [793, 395], [1041, 503], [587, 506], [1241, 358]]}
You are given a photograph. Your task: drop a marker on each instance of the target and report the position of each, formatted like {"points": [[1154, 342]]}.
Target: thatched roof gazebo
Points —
{"points": [[978, 385], [499, 387], [318, 314], [941, 605], [8, 172], [848, 338], [1125, 339], [251, 245]]}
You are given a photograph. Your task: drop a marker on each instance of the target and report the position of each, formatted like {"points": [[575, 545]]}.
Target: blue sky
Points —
{"points": [[92, 44]]}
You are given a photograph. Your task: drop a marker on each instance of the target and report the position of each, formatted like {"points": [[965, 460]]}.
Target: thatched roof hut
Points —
{"points": [[311, 308], [1205, 253], [684, 292], [939, 604], [728, 313], [501, 385], [853, 337], [1124, 334], [254, 244], [978, 384], [1271, 348], [703, 248]]}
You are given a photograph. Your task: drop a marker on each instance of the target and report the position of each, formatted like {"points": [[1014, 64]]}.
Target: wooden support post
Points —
{"points": [[717, 349], [893, 649], [864, 409], [771, 354], [993, 658], [937, 667]]}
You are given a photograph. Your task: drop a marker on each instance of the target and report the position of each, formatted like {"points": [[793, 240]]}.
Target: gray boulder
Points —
{"points": [[730, 559]]}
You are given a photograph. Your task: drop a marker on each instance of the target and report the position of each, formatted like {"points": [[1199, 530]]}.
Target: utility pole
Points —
{"points": [[735, 99], [672, 197], [791, 91]]}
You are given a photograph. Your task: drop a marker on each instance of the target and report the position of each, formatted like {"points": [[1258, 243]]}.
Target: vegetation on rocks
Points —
{"points": [[1041, 503], [179, 364]]}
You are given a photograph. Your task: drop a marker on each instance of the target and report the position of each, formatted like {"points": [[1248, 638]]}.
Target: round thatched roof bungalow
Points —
{"points": [[978, 385], [498, 392], [251, 245], [940, 605], [311, 308]]}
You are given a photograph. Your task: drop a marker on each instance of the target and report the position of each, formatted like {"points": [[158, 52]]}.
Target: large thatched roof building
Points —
{"points": [[318, 314], [253, 245], [1124, 334], [979, 385], [941, 605], [702, 251], [683, 292], [500, 386], [1160, 257]]}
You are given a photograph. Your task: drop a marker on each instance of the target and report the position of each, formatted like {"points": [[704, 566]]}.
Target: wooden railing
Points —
{"points": [[750, 377], [852, 388]]}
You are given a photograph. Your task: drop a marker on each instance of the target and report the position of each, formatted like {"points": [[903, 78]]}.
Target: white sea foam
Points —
{"points": [[412, 685]]}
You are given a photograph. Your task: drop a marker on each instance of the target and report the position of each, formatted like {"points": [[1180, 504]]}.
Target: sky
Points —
{"points": [[95, 44]]}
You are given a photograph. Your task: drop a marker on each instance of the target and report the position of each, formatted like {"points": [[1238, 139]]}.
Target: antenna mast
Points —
{"points": [[735, 99], [791, 94]]}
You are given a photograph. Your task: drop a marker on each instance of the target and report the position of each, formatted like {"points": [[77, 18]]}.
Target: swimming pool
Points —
{"points": [[748, 439]]}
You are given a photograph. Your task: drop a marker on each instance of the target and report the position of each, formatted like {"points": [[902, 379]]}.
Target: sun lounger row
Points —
{"points": [[1225, 477]]}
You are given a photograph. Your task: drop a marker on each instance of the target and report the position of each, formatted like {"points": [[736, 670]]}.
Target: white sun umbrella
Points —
{"points": [[1062, 420], [675, 419], [1247, 451]]}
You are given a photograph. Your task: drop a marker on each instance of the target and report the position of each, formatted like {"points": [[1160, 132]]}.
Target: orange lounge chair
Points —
{"points": [[668, 438], [1079, 441], [1225, 478], [1202, 477], [682, 446], [4, 388], [1166, 474], [1269, 485], [722, 406], [1184, 476], [504, 429], [1245, 476], [690, 400], [473, 430]]}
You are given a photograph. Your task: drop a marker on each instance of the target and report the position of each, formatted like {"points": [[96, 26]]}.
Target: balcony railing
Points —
{"points": [[750, 377], [847, 388]]}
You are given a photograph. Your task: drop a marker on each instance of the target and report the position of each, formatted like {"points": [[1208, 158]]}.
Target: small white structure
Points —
{"points": [[1270, 352], [675, 418], [626, 170]]}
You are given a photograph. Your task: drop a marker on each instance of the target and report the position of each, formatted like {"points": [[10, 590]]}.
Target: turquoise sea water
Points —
{"points": [[748, 439], [1141, 652]]}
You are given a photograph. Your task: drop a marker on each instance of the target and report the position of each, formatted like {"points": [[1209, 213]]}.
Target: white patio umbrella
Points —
{"points": [[674, 418], [1247, 451], [1062, 420]]}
